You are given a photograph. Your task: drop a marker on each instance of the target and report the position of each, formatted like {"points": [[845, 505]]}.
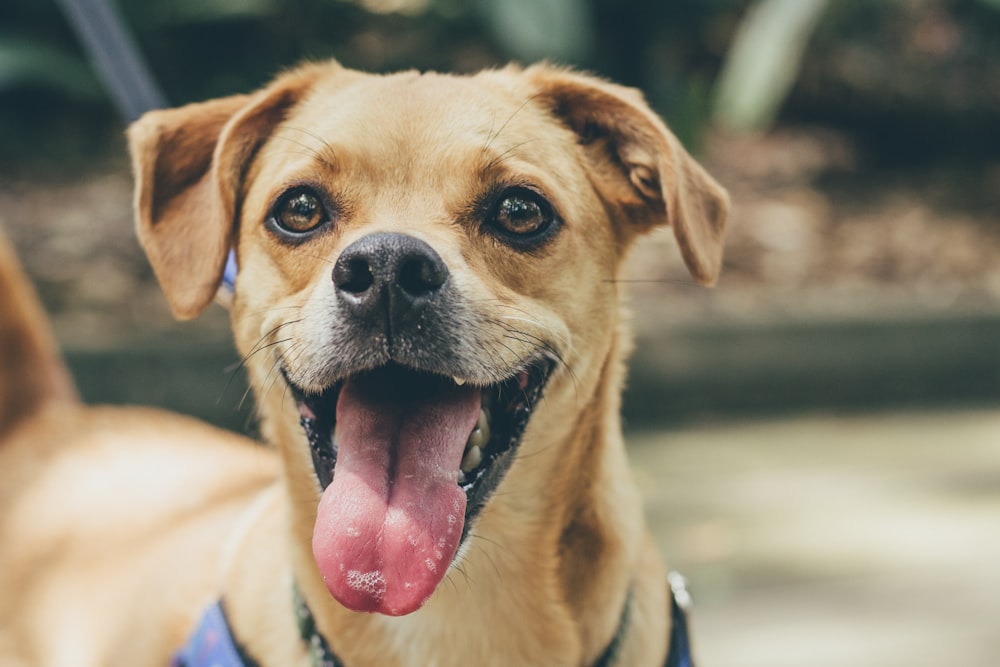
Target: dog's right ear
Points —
{"points": [[188, 163], [639, 165]]}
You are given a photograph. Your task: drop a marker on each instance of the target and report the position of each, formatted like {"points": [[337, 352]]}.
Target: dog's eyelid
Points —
{"points": [[296, 186], [508, 187]]}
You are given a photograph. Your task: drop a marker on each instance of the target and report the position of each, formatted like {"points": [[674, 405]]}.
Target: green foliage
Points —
{"points": [[779, 62], [26, 62], [532, 30], [182, 12], [764, 60]]}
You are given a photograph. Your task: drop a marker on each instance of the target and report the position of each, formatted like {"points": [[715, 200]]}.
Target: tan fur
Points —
{"points": [[31, 371], [544, 577]]}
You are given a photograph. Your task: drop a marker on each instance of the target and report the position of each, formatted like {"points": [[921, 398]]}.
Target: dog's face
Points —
{"points": [[426, 284]]}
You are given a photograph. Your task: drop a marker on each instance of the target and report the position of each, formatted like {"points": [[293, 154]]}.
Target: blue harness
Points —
{"points": [[213, 644]]}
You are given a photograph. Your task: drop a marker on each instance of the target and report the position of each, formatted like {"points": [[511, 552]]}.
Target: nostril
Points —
{"points": [[421, 274], [353, 275], [386, 273]]}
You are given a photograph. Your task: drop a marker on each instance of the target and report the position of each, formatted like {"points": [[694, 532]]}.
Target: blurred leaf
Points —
{"points": [[764, 61], [405, 7], [537, 29], [25, 62], [994, 4], [180, 12]]}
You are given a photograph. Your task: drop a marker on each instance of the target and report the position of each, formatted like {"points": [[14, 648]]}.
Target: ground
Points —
{"points": [[868, 541]]}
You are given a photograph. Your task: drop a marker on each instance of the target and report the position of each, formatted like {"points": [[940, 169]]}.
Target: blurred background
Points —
{"points": [[818, 437]]}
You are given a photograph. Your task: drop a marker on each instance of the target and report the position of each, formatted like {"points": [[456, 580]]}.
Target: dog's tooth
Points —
{"points": [[484, 421], [478, 438], [459, 381], [473, 457]]}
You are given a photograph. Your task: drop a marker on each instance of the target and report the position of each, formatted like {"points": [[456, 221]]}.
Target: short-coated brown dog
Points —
{"points": [[428, 306]]}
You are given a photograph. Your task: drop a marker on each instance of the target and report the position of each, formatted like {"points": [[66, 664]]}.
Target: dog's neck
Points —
{"points": [[321, 654]]}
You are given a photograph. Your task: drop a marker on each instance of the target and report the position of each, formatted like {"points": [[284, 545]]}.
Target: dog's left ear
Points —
{"points": [[188, 165], [638, 166]]}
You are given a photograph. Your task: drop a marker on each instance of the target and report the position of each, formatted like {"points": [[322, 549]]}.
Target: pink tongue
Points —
{"points": [[390, 521]]}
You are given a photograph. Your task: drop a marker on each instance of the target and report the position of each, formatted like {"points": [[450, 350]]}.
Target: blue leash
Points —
{"points": [[125, 75], [115, 57]]}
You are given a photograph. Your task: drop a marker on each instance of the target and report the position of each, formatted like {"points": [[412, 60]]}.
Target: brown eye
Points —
{"points": [[299, 211], [522, 213]]}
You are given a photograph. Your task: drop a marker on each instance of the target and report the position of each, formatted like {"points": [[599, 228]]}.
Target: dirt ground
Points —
{"points": [[830, 541], [819, 232]]}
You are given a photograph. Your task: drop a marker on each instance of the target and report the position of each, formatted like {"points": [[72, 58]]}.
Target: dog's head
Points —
{"points": [[426, 283]]}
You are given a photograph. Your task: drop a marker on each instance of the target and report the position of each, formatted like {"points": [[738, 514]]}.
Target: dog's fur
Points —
{"points": [[117, 526]]}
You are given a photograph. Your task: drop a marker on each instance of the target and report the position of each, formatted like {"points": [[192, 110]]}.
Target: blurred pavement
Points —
{"points": [[864, 541]]}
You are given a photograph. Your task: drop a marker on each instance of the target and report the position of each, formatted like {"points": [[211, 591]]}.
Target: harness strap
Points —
{"points": [[679, 654], [115, 56], [320, 654], [610, 655], [213, 645]]}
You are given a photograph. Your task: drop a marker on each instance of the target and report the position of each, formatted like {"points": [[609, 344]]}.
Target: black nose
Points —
{"points": [[390, 276]]}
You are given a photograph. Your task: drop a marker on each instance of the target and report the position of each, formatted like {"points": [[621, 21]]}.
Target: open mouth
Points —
{"points": [[406, 460]]}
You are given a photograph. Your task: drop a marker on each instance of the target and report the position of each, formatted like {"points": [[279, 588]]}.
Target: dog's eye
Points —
{"points": [[299, 211], [521, 212]]}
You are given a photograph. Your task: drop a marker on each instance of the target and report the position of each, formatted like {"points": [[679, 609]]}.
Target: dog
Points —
{"points": [[428, 305]]}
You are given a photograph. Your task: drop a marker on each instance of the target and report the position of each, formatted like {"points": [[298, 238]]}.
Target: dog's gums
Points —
{"points": [[406, 460]]}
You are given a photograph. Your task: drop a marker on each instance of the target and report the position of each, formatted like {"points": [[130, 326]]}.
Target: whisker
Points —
{"points": [[326, 145], [233, 369], [564, 343], [306, 149], [494, 136], [653, 281], [489, 555], [502, 157], [321, 258], [267, 377], [517, 334], [326, 160]]}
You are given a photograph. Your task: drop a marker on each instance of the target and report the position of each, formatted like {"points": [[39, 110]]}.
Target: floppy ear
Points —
{"points": [[638, 166], [188, 165]]}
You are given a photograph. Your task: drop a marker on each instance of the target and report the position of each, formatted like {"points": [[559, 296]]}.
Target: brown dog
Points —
{"points": [[428, 307]]}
